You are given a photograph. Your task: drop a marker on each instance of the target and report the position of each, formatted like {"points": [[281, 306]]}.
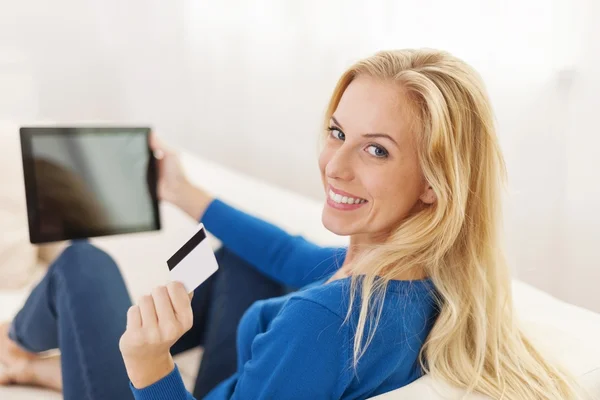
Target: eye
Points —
{"points": [[377, 151], [336, 133]]}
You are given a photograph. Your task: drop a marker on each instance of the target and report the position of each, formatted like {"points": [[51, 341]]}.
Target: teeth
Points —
{"points": [[344, 199]]}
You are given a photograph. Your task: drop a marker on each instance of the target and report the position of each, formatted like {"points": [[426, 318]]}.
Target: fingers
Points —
{"points": [[134, 318], [155, 143], [181, 304], [164, 308], [179, 296], [168, 312], [157, 146], [148, 312]]}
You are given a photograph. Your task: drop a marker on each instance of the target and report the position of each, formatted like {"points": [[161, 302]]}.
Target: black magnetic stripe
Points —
{"points": [[186, 249]]}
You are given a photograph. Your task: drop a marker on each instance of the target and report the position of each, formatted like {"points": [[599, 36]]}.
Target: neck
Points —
{"points": [[360, 242]]}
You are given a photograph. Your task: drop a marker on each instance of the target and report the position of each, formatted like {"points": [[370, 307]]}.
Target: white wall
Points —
{"points": [[245, 83], [582, 194]]}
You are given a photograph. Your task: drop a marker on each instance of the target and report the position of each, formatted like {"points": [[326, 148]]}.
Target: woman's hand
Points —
{"points": [[173, 185], [171, 178], [153, 326]]}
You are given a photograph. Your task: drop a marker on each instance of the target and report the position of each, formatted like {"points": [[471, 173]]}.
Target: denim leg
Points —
{"points": [[80, 307], [232, 291]]}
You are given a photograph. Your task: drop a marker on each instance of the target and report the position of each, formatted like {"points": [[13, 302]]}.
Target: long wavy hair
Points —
{"points": [[475, 343]]}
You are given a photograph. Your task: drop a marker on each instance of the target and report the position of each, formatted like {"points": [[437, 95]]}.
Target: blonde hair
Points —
{"points": [[475, 343]]}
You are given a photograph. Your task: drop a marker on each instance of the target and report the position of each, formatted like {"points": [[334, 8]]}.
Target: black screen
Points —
{"points": [[85, 182]]}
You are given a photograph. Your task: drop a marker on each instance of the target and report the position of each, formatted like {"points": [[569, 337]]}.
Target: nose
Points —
{"points": [[340, 165]]}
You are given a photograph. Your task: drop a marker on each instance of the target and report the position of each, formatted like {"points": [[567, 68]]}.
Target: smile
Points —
{"points": [[343, 201]]}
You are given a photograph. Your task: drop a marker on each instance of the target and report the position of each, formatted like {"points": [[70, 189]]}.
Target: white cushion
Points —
{"points": [[569, 334], [564, 332], [18, 257]]}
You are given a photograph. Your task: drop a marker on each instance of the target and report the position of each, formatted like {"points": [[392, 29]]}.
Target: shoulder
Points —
{"points": [[333, 297], [310, 311], [407, 306]]}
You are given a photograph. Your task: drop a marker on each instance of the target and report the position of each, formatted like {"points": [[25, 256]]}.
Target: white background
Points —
{"points": [[245, 83]]}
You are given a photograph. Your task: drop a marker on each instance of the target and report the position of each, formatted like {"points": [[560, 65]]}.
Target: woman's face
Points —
{"points": [[369, 163]]}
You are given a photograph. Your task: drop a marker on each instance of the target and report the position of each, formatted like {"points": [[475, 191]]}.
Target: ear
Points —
{"points": [[428, 196]]}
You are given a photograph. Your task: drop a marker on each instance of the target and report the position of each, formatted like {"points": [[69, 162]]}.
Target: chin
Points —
{"points": [[337, 225]]}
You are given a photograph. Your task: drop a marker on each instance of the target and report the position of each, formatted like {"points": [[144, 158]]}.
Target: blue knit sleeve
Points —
{"points": [[169, 388], [288, 259]]}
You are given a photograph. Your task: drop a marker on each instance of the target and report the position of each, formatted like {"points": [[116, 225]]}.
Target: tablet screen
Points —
{"points": [[86, 182]]}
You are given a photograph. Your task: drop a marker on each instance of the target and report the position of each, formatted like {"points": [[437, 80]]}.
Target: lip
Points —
{"points": [[342, 206], [342, 193]]}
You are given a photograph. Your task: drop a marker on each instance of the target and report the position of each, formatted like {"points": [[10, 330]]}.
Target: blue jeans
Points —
{"points": [[80, 307]]}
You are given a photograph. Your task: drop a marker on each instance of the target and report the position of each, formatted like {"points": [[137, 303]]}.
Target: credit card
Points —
{"points": [[194, 262]]}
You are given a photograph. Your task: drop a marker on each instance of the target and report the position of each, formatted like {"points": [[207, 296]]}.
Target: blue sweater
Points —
{"points": [[298, 346]]}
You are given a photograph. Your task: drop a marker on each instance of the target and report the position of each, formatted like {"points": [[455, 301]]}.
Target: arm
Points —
{"points": [[170, 387], [289, 259], [301, 356], [154, 324]]}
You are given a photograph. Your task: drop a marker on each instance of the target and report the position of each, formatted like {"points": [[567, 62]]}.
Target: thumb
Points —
{"points": [[157, 145]]}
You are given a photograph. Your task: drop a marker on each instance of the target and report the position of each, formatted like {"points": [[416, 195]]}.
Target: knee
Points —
{"points": [[81, 251], [83, 261]]}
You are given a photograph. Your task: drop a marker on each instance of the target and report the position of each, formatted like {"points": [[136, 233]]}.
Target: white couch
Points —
{"points": [[569, 334]]}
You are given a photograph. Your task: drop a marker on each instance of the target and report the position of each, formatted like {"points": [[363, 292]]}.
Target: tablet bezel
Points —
{"points": [[27, 133]]}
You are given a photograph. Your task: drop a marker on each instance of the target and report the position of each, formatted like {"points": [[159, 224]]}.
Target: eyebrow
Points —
{"points": [[368, 135]]}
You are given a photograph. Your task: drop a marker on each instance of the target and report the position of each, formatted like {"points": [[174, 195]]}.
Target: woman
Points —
{"points": [[411, 168]]}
